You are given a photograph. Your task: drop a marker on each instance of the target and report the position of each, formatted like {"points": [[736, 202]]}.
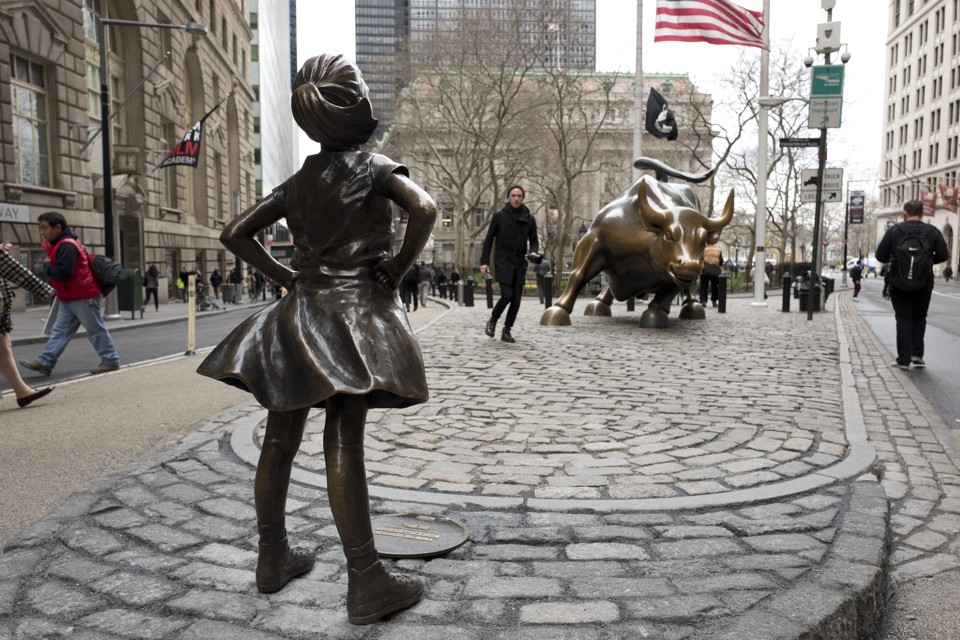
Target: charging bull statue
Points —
{"points": [[648, 240]]}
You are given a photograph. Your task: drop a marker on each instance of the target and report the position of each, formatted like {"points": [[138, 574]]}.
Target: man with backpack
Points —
{"points": [[911, 247], [69, 269]]}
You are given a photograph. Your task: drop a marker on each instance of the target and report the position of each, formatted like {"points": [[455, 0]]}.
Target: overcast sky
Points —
{"points": [[328, 26]]}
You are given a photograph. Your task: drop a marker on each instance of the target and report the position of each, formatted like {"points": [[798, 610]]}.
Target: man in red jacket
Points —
{"points": [[68, 268]]}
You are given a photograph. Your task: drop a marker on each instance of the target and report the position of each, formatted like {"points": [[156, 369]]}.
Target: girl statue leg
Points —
{"points": [[372, 593], [277, 563]]}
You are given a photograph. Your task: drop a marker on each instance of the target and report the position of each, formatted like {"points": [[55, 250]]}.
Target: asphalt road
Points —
{"points": [[140, 344], [940, 380]]}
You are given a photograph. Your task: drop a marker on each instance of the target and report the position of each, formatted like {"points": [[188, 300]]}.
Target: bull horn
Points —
{"points": [[717, 224], [650, 216]]}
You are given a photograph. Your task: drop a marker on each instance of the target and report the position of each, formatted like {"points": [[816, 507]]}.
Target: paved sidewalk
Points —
{"points": [[715, 479]]}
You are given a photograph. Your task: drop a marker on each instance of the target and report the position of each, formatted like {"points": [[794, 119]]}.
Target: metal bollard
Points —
{"points": [[786, 293], [722, 294], [548, 290], [468, 293], [489, 283], [631, 303]]}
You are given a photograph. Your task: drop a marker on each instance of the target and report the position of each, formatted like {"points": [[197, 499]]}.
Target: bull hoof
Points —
{"points": [[555, 317], [654, 319], [597, 308], [693, 311]]}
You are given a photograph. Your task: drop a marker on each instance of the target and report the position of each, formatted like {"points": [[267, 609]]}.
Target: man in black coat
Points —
{"points": [[514, 229], [910, 306]]}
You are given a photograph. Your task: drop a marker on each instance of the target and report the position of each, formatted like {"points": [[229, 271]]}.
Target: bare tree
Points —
{"points": [[460, 123], [784, 208], [574, 108]]}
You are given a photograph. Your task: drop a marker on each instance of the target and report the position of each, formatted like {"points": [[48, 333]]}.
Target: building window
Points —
{"points": [[30, 143], [446, 219], [91, 10]]}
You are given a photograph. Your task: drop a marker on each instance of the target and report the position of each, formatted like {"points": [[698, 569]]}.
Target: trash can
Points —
{"points": [[828, 284], [130, 291], [804, 291], [229, 292]]}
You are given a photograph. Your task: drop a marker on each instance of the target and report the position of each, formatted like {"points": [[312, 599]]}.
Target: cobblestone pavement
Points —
{"points": [[710, 480]]}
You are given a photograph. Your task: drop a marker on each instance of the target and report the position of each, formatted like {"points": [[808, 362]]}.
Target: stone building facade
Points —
{"points": [[921, 113], [162, 80]]}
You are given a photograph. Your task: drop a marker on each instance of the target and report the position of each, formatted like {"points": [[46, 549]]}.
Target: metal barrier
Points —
{"points": [[786, 293]]}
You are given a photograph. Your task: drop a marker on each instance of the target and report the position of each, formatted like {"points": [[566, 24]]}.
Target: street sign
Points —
{"points": [[826, 80], [799, 142], [832, 185], [825, 112]]}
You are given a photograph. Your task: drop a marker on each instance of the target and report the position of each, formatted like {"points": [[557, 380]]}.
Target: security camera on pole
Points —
{"points": [[826, 103]]}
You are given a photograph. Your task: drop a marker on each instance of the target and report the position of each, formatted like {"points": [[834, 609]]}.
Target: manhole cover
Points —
{"points": [[417, 535]]}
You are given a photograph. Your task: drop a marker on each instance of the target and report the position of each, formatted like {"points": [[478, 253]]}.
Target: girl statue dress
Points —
{"points": [[339, 339]]}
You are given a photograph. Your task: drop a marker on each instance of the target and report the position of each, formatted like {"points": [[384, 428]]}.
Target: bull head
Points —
{"points": [[683, 233]]}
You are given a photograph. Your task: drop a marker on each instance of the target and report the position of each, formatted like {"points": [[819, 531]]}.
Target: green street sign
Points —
{"points": [[827, 80]]}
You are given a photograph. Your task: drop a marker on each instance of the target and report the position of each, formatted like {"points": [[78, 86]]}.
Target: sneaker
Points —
{"points": [[918, 362], [36, 365], [104, 367], [896, 363]]}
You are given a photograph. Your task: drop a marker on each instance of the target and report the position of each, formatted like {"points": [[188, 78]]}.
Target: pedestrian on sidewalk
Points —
{"points": [[68, 268], [409, 288], [12, 271], [425, 279], [339, 339], [215, 281], [542, 270], [151, 282], [911, 247], [947, 273], [710, 274], [513, 229], [856, 274]]}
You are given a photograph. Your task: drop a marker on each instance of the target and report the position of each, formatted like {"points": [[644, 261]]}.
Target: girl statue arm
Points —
{"points": [[423, 213], [240, 237]]}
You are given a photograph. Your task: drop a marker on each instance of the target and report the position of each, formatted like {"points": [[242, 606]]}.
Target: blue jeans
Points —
{"points": [[71, 315]]}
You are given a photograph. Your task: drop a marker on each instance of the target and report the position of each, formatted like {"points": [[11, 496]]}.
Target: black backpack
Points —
{"points": [[912, 262]]}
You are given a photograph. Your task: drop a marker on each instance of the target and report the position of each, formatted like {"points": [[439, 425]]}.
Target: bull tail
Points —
{"points": [[666, 170]]}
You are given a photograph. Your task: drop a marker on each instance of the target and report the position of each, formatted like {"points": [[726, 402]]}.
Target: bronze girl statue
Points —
{"points": [[339, 339]]}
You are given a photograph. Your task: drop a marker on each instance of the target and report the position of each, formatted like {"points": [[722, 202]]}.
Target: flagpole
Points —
{"points": [[638, 94], [760, 222]]}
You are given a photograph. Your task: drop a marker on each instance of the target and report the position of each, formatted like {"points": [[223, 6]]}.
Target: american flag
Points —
{"points": [[711, 21]]}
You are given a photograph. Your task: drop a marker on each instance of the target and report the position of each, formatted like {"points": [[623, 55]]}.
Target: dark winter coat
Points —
{"points": [[513, 230]]}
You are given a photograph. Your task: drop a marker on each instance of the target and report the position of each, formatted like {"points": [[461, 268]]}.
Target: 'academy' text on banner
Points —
{"points": [[187, 151]]}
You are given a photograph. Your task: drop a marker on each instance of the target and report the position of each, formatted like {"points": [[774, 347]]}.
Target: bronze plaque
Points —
{"points": [[417, 535]]}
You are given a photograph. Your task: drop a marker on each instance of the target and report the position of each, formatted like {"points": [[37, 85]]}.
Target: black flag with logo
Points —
{"points": [[187, 151], [660, 121]]}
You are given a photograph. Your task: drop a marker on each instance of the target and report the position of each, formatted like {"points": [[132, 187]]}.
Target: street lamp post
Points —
{"points": [[736, 254], [760, 221], [110, 241]]}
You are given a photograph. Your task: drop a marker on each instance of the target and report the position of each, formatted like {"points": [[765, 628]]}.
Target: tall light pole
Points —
{"points": [[760, 221], [110, 241]]}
